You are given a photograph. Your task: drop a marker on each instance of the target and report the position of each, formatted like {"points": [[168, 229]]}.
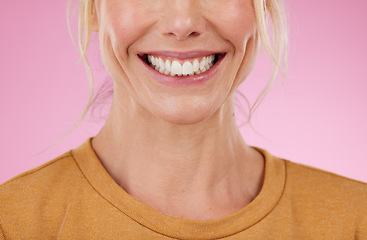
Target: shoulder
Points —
{"points": [[31, 191], [325, 197], [45, 180], [306, 178], [37, 198], [48, 173]]}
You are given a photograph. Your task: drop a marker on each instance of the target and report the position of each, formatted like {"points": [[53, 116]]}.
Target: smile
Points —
{"points": [[181, 67]]}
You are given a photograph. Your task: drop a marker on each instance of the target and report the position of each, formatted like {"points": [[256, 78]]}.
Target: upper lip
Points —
{"points": [[181, 55]]}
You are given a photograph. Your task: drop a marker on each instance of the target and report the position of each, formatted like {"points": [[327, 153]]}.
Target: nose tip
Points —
{"points": [[181, 19], [182, 27]]}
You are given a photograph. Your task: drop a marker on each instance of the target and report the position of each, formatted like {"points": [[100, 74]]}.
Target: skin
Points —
{"points": [[178, 150]]}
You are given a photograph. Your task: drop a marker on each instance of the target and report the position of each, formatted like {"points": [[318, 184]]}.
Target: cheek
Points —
{"points": [[124, 23], [121, 24], [235, 20]]}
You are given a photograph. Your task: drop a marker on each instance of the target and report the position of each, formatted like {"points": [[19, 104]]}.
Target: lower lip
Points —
{"points": [[184, 81]]}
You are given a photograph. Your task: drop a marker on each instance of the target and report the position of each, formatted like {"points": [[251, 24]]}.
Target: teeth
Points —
{"points": [[174, 68], [154, 61], [187, 69], [195, 65], [161, 65], [203, 63], [168, 65], [150, 58]]}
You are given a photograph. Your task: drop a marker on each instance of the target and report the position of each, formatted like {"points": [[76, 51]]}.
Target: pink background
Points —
{"points": [[318, 118]]}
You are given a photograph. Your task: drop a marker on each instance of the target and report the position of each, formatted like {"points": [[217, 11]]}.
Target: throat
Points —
{"points": [[199, 206]]}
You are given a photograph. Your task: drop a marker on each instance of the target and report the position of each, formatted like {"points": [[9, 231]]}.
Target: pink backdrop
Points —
{"points": [[318, 118]]}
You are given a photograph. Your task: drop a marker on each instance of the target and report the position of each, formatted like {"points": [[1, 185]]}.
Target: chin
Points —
{"points": [[185, 117]]}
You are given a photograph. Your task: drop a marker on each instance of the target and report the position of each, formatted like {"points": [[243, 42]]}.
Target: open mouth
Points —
{"points": [[181, 67]]}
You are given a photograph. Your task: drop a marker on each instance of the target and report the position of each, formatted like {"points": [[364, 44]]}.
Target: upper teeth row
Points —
{"points": [[187, 68]]}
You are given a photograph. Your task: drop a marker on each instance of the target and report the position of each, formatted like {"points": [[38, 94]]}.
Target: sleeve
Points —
{"points": [[361, 232], [1, 234]]}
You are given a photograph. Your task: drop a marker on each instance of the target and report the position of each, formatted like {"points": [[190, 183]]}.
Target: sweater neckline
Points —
{"points": [[173, 227]]}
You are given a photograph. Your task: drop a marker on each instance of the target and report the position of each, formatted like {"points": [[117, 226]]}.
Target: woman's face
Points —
{"points": [[179, 60]]}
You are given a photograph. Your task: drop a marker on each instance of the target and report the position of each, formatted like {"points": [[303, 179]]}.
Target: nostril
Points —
{"points": [[183, 36], [194, 34]]}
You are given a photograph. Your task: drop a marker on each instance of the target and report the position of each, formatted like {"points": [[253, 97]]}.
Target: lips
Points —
{"points": [[178, 69]]}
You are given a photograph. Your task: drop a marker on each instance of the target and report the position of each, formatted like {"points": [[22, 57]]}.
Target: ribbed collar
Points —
{"points": [[173, 227]]}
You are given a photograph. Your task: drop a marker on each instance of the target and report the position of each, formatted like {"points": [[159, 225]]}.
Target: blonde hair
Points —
{"points": [[275, 47]]}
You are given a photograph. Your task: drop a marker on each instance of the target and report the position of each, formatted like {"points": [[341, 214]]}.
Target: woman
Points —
{"points": [[170, 162]]}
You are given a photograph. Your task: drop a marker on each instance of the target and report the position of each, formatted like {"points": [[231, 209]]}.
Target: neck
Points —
{"points": [[163, 164]]}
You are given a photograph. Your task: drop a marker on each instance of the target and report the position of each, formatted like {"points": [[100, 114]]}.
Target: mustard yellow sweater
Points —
{"points": [[73, 197]]}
